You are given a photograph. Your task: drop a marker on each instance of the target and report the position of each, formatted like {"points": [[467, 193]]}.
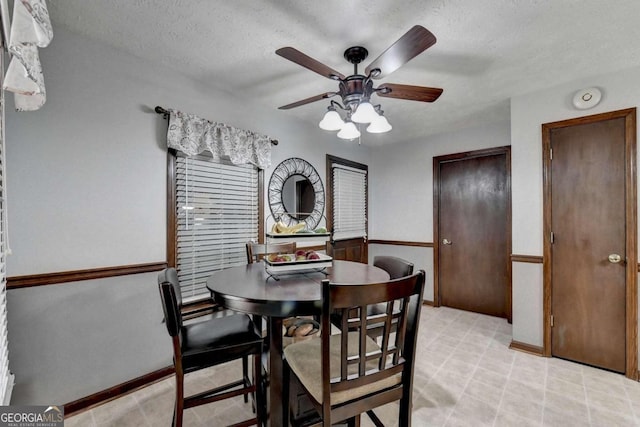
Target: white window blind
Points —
{"points": [[6, 378], [349, 202], [217, 211]]}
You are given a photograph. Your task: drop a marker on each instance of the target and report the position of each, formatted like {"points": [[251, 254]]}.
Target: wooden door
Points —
{"points": [[472, 205], [588, 243]]}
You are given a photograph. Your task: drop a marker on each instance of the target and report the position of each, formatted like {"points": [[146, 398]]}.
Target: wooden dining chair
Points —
{"points": [[257, 251], [209, 343], [348, 373]]}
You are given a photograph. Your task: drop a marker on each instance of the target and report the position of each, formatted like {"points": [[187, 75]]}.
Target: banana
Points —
{"points": [[296, 228], [280, 228]]}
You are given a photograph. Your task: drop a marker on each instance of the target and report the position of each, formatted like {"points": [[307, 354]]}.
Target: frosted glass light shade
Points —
{"points": [[349, 131], [331, 121], [379, 125], [365, 113]]}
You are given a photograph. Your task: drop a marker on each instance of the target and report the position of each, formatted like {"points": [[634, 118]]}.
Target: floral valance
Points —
{"points": [[193, 135], [30, 30]]}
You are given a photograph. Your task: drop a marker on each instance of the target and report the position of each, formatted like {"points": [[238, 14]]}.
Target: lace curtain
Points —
{"points": [[193, 135], [30, 30]]}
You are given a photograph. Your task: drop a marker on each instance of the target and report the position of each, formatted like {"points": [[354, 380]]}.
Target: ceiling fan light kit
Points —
{"points": [[365, 113], [379, 125], [349, 131], [331, 120], [356, 90]]}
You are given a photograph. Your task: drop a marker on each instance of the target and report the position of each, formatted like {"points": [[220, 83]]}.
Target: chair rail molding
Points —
{"points": [[17, 282], [400, 243], [534, 259]]}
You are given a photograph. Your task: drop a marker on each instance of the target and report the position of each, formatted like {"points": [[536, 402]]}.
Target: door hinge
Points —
{"points": [[550, 153], [552, 320], [551, 238]]}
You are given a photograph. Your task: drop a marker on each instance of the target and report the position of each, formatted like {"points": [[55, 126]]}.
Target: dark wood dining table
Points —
{"points": [[250, 289]]}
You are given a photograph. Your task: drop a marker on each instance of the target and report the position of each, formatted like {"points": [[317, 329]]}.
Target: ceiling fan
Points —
{"points": [[356, 89]]}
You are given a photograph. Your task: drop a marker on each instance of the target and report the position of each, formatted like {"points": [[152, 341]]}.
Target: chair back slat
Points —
{"points": [[171, 300], [257, 251], [362, 362], [344, 364], [357, 296], [390, 319], [362, 345]]}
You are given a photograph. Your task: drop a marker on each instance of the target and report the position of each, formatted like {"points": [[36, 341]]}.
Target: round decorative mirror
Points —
{"points": [[296, 193]]}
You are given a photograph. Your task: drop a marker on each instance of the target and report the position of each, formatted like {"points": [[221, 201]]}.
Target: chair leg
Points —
{"points": [[179, 406], [286, 387], [245, 374], [260, 393], [404, 415]]}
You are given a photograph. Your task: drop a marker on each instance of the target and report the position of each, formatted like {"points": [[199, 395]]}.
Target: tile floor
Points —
{"points": [[465, 376]]}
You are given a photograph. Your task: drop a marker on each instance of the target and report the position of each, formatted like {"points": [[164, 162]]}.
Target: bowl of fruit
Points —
{"points": [[300, 260], [280, 258], [303, 255]]}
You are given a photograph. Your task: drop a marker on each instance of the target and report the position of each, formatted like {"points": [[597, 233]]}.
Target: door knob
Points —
{"points": [[615, 258], [446, 241]]}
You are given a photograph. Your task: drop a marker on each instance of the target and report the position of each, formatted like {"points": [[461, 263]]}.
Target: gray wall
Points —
{"points": [[87, 189], [71, 340]]}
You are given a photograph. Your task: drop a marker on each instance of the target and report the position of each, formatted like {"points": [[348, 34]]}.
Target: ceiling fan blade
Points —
{"points": [[412, 93], [308, 100], [414, 42], [300, 58]]}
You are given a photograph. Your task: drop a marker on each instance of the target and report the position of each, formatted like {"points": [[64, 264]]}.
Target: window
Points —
{"points": [[215, 209], [349, 193]]}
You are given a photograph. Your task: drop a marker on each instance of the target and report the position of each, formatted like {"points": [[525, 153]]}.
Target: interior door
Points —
{"points": [[473, 240], [588, 248]]}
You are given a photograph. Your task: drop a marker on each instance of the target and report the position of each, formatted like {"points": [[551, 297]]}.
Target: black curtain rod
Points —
{"points": [[165, 113]]}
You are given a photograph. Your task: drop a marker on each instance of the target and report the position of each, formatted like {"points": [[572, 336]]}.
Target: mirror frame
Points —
{"points": [[286, 169]]}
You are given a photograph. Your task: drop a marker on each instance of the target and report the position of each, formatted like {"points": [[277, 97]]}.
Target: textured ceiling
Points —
{"points": [[487, 50]]}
